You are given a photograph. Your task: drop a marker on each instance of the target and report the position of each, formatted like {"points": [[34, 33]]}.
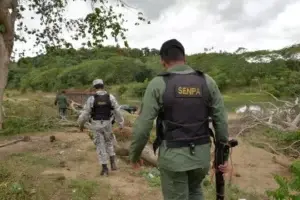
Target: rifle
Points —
{"points": [[221, 149], [159, 132]]}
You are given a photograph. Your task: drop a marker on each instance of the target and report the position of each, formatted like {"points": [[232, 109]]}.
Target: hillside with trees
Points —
{"points": [[276, 72]]}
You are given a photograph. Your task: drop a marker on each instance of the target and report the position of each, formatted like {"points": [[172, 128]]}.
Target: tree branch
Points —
{"points": [[279, 100], [246, 128]]}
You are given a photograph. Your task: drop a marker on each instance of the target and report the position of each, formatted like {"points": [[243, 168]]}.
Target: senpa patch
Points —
{"points": [[188, 91], [101, 103]]}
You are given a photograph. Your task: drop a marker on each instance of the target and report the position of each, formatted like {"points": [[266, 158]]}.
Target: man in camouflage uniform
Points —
{"points": [[100, 107], [185, 99], [62, 102]]}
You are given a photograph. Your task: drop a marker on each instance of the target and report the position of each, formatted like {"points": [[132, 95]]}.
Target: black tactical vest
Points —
{"points": [[185, 110], [102, 107]]}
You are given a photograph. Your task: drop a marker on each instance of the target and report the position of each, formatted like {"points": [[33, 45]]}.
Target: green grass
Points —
{"points": [[235, 100], [34, 160], [84, 189], [21, 178], [152, 176], [232, 100]]}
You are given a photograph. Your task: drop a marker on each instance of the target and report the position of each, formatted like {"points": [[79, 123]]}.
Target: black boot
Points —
{"points": [[104, 170], [113, 163]]}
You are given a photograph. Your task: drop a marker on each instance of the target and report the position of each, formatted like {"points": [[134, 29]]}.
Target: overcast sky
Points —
{"points": [[198, 24]]}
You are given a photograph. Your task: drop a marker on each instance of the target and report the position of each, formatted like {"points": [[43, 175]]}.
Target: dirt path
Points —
{"points": [[78, 157], [76, 151]]}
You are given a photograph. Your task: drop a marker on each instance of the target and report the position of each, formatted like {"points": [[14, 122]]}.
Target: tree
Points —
{"points": [[50, 13]]}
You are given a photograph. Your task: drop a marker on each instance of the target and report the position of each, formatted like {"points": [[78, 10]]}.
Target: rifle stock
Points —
{"points": [[159, 133], [221, 150]]}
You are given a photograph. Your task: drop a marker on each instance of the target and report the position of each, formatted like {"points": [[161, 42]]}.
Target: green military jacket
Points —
{"points": [[177, 159], [62, 101]]}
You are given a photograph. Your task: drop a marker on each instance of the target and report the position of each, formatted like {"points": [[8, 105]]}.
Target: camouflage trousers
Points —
{"points": [[104, 141]]}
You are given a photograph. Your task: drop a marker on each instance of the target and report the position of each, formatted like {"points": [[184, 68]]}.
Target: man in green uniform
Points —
{"points": [[186, 99], [62, 102]]}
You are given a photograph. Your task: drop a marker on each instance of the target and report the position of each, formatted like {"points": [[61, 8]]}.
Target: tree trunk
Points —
{"points": [[1, 110], [4, 61], [8, 16]]}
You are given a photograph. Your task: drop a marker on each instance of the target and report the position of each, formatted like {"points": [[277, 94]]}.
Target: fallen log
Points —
{"points": [[67, 123], [122, 149], [23, 139]]}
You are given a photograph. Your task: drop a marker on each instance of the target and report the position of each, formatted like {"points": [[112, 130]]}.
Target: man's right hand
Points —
{"points": [[121, 126], [137, 165], [81, 128]]}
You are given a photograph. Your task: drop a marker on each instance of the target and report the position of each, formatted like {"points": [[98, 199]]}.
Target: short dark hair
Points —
{"points": [[99, 86], [172, 54], [172, 50], [63, 92]]}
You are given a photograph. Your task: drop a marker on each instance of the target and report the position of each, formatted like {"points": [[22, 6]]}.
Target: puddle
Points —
{"points": [[250, 108]]}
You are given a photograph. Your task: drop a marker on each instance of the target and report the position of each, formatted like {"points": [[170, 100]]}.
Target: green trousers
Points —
{"points": [[182, 185]]}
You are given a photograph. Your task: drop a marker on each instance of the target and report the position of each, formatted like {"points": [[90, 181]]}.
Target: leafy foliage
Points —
{"points": [[102, 21]]}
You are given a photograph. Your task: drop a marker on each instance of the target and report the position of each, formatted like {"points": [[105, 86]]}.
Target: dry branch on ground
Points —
{"points": [[281, 115], [23, 139]]}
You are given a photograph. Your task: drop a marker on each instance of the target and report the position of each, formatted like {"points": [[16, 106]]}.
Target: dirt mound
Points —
{"points": [[254, 168]]}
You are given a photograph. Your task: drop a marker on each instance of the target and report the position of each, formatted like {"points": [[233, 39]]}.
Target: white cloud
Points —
{"points": [[198, 28], [202, 30]]}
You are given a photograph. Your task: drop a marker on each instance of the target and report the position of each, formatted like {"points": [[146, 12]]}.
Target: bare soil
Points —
{"points": [[252, 167]]}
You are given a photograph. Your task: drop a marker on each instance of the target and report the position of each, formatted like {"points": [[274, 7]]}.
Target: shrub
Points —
{"points": [[289, 189]]}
